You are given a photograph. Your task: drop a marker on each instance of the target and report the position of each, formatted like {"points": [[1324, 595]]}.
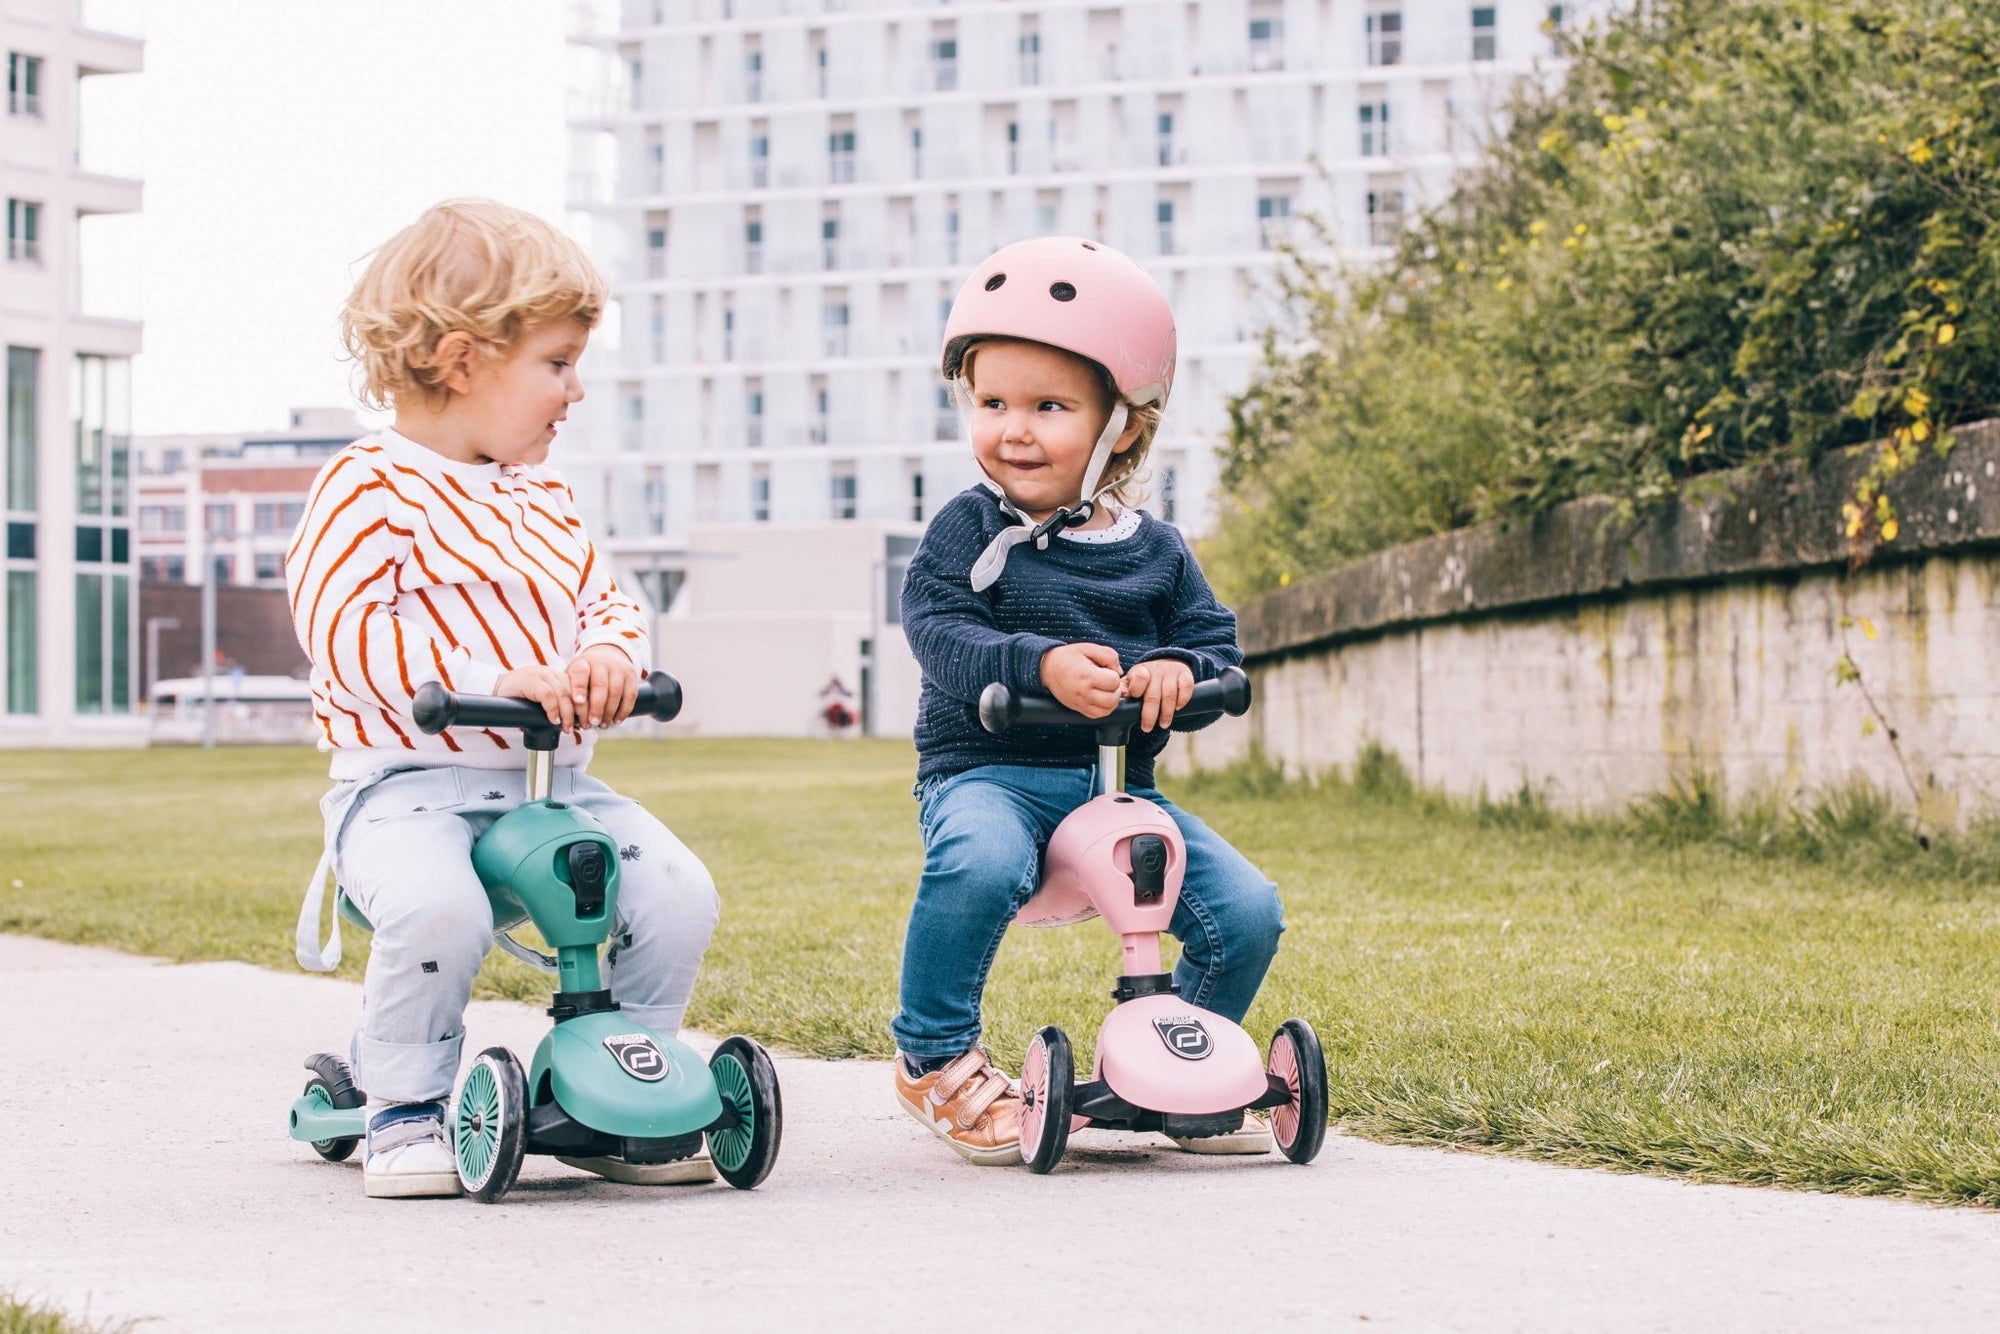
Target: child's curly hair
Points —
{"points": [[467, 265]]}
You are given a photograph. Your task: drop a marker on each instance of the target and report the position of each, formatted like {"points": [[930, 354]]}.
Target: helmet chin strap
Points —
{"points": [[986, 570]]}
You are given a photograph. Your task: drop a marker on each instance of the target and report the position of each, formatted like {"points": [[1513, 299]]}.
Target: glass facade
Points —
{"points": [[101, 415], [24, 366]]}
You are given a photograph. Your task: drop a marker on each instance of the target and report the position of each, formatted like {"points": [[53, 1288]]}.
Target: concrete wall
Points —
{"points": [[1595, 666]]}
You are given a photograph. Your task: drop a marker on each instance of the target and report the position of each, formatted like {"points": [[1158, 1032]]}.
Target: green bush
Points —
{"points": [[1737, 229]]}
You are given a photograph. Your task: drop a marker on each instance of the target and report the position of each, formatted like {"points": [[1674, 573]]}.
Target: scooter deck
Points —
{"points": [[1108, 1111]]}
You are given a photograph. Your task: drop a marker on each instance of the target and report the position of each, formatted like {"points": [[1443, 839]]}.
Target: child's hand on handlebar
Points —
{"points": [[545, 685], [604, 685], [1165, 684], [1083, 677]]}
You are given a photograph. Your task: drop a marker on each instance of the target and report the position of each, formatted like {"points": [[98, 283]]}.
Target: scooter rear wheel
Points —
{"points": [[1048, 1085], [744, 1148], [1298, 1127], [333, 1081], [489, 1125]]}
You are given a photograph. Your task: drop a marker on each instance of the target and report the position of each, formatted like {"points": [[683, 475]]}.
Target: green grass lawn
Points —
{"points": [[1802, 1014], [19, 1317]]}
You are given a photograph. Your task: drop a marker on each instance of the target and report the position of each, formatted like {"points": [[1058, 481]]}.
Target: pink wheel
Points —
{"points": [[1048, 1077], [1298, 1126]]}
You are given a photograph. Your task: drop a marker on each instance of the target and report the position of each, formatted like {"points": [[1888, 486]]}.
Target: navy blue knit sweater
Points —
{"points": [[1142, 595]]}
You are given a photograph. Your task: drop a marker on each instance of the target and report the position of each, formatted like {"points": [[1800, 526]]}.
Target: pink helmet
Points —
{"points": [[1081, 296]]}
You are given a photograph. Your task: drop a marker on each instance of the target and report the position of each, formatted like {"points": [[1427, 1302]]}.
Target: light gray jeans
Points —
{"points": [[403, 854]]}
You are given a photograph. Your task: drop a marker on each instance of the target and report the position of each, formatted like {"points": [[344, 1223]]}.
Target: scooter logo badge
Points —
{"points": [[1185, 1037], [638, 1056]]}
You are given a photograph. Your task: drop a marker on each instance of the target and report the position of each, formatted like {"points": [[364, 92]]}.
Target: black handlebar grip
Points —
{"points": [[1000, 708], [436, 708]]}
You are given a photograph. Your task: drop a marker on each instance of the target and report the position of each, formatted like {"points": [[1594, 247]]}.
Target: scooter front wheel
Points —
{"points": [[1299, 1127], [745, 1143], [1048, 1084], [489, 1125]]}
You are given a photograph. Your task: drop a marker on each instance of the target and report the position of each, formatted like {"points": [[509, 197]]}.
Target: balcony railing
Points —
{"points": [[25, 104]]}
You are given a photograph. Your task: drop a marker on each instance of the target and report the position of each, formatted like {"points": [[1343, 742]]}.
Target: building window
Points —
{"points": [[1556, 25], [102, 419], [24, 85], [1164, 129], [951, 236], [1274, 216], [1030, 46], [1385, 216], [1485, 33], [728, 333], [819, 61], [270, 566], [169, 569], [753, 245], [840, 157], [843, 493], [1384, 29], [1375, 129], [753, 414], [23, 378], [916, 496], [1013, 146], [1163, 212], [656, 253], [753, 75], [1169, 499], [219, 519], [24, 231], [944, 64], [656, 329], [833, 324], [632, 421], [946, 426], [760, 496], [829, 241], [760, 161], [817, 429], [1267, 44], [916, 152], [656, 501], [635, 83], [271, 518]]}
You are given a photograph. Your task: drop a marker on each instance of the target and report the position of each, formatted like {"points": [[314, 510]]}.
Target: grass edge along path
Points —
{"points": [[28, 1317], [1757, 999]]}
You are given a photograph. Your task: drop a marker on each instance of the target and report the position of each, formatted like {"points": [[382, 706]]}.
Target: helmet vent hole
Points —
{"points": [[1062, 291], [1090, 245], [995, 281]]}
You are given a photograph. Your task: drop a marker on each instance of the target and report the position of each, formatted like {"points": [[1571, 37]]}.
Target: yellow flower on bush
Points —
{"points": [[1945, 333], [1920, 152]]}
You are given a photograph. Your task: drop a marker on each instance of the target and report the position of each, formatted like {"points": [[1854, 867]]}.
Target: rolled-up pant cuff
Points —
{"points": [[406, 1072]]}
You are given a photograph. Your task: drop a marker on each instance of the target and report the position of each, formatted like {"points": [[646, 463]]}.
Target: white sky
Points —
{"points": [[281, 140]]}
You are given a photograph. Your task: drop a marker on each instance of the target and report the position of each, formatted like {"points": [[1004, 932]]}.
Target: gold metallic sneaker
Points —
{"points": [[969, 1105]]}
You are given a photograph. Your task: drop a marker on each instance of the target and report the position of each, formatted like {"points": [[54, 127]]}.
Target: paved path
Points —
{"points": [[146, 1174]]}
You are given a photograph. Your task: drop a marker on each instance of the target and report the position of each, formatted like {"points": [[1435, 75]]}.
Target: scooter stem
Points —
{"points": [[1142, 953], [1110, 769], [541, 774]]}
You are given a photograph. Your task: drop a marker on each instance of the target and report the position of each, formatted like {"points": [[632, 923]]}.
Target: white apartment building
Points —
{"points": [[66, 632], [788, 194]]}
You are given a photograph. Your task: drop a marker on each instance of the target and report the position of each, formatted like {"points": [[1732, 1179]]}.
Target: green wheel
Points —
{"points": [[333, 1083], [743, 1142], [489, 1125]]}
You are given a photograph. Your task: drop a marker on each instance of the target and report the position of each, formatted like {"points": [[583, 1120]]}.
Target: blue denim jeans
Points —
{"points": [[985, 831]]}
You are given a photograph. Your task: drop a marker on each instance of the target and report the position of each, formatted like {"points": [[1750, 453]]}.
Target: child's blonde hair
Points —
{"points": [[469, 266], [1122, 479]]}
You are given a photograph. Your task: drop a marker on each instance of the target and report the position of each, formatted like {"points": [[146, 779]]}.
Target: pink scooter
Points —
{"points": [[1162, 1064]]}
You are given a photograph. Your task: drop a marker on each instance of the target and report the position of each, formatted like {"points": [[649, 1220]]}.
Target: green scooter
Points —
{"points": [[602, 1092]]}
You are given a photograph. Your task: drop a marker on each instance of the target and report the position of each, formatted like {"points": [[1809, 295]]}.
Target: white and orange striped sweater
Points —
{"points": [[409, 567]]}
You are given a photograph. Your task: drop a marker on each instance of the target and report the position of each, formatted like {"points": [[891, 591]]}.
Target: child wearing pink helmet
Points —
{"points": [[1044, 578]]}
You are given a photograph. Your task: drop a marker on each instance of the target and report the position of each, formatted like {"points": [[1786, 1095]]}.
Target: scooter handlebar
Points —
{"points": [[1000, 708], [437, 708]]}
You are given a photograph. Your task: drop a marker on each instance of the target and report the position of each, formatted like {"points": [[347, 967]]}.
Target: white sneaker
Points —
{"points": [[408, 1155]]}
